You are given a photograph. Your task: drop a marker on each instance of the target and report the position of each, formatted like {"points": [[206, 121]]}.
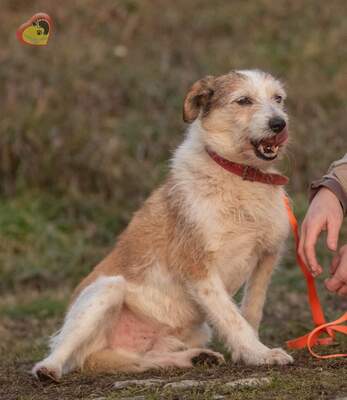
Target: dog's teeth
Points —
{"points": [[267, 148]]}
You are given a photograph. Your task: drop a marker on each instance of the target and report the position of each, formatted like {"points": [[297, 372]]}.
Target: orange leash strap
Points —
{"points": [[322, 327]]}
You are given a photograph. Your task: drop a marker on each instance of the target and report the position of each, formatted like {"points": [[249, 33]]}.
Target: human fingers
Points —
{"points": [[302, 242], [333, 284], [334, 264], [309, 247], [342, 291], [333, 226]]}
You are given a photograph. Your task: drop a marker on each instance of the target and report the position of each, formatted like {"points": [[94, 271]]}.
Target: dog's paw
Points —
{"points": [[264, 357], [207, 358], [278, 356], [46, 371]]}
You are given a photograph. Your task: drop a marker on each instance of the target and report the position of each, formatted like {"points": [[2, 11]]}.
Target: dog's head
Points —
{"points": [[241, 114]]}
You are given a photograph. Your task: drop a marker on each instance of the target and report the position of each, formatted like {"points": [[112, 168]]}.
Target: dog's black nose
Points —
{"points": [[277, 124]]}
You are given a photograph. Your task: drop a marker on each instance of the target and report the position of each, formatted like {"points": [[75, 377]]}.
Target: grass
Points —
{"points": [[46, 240], [302, 383], [87, 125], [48, 246], [81, 116]]}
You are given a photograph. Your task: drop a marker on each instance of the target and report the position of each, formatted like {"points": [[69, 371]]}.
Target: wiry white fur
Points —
{"points": [[266, 107], [83, 331], [243, 224], [240, 239]]}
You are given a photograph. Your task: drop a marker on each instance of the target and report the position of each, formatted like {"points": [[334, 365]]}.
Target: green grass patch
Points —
{"points": [[40, 308], [46, 240]]}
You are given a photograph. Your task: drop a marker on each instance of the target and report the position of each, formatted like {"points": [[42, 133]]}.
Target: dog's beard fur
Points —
{"points": [[235, 131]]}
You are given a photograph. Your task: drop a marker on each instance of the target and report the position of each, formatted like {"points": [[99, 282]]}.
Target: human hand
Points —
{"points": [[338, 269], [324, 213]]}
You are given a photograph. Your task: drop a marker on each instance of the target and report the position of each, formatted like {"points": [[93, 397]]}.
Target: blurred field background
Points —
{"points": [[88, 123]]}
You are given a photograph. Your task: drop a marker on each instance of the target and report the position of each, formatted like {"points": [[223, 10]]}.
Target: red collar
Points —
{"points": [[247, 172]]}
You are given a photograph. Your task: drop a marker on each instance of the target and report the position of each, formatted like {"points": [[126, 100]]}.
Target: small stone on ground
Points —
{"points": [[138, 382], [190, 383], [186, 384], [248, 382]]}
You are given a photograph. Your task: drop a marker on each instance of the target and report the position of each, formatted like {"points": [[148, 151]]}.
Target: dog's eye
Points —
{"points": [[244, 101], [278, 98]]}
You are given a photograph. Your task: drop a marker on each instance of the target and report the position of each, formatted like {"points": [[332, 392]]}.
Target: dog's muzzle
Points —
{"points": [[268, 148]]}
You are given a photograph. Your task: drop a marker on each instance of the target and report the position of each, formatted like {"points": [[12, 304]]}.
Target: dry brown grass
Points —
{"points": [[87, 125], [99, 109]]}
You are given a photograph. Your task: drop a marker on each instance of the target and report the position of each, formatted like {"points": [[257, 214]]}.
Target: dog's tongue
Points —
{"points": [[277, 140]]}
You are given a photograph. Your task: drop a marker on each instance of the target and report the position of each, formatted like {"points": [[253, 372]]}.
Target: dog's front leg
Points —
{"points": [[255, 290], [237, 333]]}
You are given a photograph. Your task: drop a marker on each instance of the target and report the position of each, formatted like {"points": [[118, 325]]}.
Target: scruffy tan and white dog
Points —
{"points": [[197, 239]]}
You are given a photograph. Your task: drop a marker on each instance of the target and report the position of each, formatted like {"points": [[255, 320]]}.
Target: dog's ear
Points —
{"points": [[198, 98]]}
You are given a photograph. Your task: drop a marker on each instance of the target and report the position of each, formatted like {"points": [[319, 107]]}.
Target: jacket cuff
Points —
{"points": [[332, 185]]}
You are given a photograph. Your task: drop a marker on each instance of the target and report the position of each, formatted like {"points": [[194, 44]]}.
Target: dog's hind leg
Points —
{"points": [[118, 360], [112, 360], [85, 327]]}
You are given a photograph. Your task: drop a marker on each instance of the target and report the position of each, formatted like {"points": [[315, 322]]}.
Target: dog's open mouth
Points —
{"points": [[268, 148]]}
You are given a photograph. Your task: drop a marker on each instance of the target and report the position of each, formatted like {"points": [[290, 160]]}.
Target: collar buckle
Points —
{"points": [[249, 173]]}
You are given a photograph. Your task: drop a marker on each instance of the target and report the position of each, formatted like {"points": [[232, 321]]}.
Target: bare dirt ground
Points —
{"points": [[24, 335], [87, 126]]}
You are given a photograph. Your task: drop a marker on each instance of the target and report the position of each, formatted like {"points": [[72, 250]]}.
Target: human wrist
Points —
{"points": [[329, 185]]}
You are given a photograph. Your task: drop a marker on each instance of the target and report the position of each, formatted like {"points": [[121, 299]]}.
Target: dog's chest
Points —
{"points": [[238, 231]]}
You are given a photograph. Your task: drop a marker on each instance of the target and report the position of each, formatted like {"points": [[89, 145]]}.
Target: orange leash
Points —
{"points": [[322, 327]]}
